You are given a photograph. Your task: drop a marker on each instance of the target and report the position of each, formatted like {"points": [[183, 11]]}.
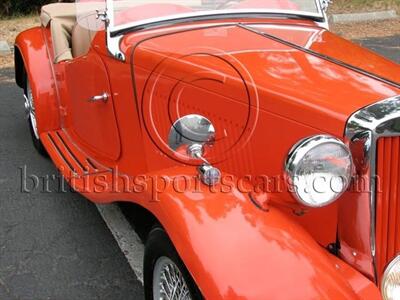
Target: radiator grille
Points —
{"points": [[387, 201]]}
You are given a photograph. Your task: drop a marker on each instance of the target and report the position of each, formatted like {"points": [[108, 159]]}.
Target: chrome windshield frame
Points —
{"points": [[216, 14], [115, 33], [136, 26]]}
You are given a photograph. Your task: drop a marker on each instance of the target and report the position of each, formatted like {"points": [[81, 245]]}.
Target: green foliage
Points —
{"points": [[21, 7]]}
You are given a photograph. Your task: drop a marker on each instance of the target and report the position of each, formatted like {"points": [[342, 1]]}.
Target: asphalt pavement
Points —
{"points": [[386, 46], [52, 245], [55, 245]]}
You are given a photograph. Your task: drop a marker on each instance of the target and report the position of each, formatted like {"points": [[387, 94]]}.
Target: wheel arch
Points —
{"points": [[141, 218], [19, 68]]}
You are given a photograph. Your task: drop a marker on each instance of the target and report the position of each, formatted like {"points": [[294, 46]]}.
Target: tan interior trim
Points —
{"points": [[70, 38]]}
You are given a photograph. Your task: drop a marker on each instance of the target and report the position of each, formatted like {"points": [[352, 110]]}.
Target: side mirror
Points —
{"points": [[190, 134]]}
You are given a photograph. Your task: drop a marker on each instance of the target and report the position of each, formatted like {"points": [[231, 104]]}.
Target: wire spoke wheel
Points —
{"points": [[30, 109], [168, 281]]}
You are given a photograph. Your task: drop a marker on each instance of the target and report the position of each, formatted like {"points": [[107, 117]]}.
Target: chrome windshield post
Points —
{"points": [[113, 42], [323, 7]]}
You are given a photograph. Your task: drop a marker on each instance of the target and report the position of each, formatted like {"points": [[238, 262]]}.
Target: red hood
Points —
{"points": [[325, 43], [287, 81]]}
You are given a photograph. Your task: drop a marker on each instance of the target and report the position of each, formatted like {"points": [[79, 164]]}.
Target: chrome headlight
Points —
{"points": [[390, 285], [319, 169]]}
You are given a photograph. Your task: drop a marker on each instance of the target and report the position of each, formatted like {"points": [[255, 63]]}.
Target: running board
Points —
{"points": [[69, 159]]}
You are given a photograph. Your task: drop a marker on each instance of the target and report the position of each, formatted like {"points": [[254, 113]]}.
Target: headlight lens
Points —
{"points": [[390, 285], [319, 168]]}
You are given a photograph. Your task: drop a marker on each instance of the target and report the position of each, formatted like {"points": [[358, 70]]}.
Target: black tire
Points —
{"points": [[37, 144], [158, 245]]}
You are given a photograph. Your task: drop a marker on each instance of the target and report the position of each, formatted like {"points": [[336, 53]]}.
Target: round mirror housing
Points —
{"points": [[190, 133], [188, 136]]}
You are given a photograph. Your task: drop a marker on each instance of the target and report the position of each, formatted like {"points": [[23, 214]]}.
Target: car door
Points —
{"points": [[91, 119]]}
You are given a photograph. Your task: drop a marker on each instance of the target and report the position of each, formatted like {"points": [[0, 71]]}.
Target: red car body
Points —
{"points": [[265, 84]]}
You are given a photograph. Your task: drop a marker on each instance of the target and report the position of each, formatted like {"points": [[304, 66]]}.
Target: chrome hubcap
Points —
{"points": [[30, 109], [168, 282]]}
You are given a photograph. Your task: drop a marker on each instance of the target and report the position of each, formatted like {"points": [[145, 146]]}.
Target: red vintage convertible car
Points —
{"points": [[262, 149]]}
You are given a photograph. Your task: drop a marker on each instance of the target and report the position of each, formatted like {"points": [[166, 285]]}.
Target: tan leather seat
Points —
{"points": [[62, 18], [57, 11], [81, 40], [70, 39]]}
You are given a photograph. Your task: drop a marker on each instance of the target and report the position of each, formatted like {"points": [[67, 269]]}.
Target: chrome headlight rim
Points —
{"points": [[394, 262], [300, 150]]}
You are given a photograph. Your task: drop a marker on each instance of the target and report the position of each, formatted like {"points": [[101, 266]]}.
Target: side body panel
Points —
{"points": [[92, 124]]}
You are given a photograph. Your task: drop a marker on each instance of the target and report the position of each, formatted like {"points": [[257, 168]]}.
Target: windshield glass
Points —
{"points": [[134, 13], [87, 13]]}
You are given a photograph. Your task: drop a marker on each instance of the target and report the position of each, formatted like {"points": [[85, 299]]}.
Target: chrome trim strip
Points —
{"points": [[382, 118], [365, 127]]}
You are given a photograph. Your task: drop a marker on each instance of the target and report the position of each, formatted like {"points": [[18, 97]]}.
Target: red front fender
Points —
{"points": [[31, 56], [234, 250]]}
